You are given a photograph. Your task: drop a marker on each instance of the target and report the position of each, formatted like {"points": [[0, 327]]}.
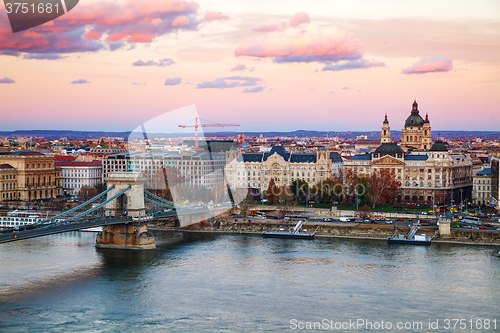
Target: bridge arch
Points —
{"points": [[133, 204]]}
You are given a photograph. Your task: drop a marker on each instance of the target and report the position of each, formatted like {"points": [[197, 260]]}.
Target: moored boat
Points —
{"points": [[19, 218], [412, 237], [295, 233]]}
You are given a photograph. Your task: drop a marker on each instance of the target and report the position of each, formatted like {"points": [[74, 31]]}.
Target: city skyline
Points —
{"points": [[333, 66]]}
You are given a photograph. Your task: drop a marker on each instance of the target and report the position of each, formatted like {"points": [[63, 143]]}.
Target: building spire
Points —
{"points": [[414, 108]]}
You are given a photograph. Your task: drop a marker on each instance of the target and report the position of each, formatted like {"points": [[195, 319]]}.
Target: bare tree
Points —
{"points": [[364, 212], [87, 192], [383, 186], [272, 192], [350, 180]]}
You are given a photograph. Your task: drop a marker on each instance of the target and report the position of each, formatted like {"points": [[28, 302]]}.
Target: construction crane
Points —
{"points": [[198, 125], [241, 139]]}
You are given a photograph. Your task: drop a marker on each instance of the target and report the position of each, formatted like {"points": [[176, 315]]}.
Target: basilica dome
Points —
{"points": [[414, 119]]}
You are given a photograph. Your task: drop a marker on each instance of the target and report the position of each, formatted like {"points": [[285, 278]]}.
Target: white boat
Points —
{"points": [[19, 218], [94, 229]]}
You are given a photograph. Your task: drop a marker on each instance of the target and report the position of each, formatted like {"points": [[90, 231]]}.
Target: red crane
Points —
{"points": [[241, 139], [198, 125]]}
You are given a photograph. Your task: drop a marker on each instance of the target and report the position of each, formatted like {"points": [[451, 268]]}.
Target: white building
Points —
{"points": [[481, 193], [78, 174], [198, 169]]}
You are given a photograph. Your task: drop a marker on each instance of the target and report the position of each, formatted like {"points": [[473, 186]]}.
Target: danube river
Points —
{"points": [[243, 283]]}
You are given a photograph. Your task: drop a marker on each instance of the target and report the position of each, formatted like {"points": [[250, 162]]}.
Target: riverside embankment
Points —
{"points": [[329, 229]]}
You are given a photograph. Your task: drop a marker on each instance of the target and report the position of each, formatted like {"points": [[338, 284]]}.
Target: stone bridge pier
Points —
{"points": [[129, 236]]}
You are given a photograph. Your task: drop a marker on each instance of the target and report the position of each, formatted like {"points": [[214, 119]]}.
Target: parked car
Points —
{"points": [[455, 226], [327, 219], [389, 222], [483, 227]]}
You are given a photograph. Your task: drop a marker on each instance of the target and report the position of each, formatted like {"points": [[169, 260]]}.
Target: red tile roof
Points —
{"points": [[64, 158]]}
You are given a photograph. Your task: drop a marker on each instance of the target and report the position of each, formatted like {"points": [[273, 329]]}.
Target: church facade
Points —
{"points": [[416, 133], [429, 173]]}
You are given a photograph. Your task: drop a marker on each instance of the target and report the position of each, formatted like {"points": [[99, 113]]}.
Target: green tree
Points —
{"points": [[363, 189], [300, 190]]}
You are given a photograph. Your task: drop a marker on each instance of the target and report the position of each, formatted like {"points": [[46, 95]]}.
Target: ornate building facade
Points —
{"points": [[435, 176], [417, 131], [428, 173], [36, 176], [255, 170]]}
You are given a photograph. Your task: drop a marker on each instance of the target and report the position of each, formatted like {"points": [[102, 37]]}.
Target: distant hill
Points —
{"points": [[56, 134]]}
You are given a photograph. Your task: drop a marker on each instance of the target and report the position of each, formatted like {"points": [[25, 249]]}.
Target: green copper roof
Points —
{"points": [[439, 146]]}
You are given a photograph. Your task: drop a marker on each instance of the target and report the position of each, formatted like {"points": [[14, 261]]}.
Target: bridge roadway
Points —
{"points": [[56, 228]]}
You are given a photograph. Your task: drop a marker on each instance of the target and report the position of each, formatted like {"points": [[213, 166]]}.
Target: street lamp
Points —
{"points": [[461, 199]]}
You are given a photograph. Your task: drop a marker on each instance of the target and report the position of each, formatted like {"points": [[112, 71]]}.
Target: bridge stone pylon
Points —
{"points": [[129, 236], [135, 196]]}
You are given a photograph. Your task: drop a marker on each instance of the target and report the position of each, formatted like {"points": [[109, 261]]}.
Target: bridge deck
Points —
{"points": [[39, 231]]}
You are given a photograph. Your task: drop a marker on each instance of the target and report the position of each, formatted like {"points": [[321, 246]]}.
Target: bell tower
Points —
{"points": [[426, 134], [386, 131]]}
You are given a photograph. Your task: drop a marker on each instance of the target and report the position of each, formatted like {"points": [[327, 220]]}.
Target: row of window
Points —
{"points": [[39, 165], [421, 184], [9, 186], [8, 177], [478, 181], [484, 188]]}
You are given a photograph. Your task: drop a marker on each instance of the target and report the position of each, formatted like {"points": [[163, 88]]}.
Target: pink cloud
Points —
{"points": [[390, 42], [141, 38], [93, 35], [349, 65], [311, 43], [180, 21], [155, 21], [130, 21], [299, 18], [267, 27], [239, 67], [213, 16], [429, 65]]}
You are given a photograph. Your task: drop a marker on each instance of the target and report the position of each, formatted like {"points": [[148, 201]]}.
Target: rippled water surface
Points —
{"points": [[238, 283]]}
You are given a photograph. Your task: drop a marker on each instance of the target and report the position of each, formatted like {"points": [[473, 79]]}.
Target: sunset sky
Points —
{"points": [[267, 65]]}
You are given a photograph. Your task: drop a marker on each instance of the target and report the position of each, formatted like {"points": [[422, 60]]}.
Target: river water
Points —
{"points": [[243, 283]]}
